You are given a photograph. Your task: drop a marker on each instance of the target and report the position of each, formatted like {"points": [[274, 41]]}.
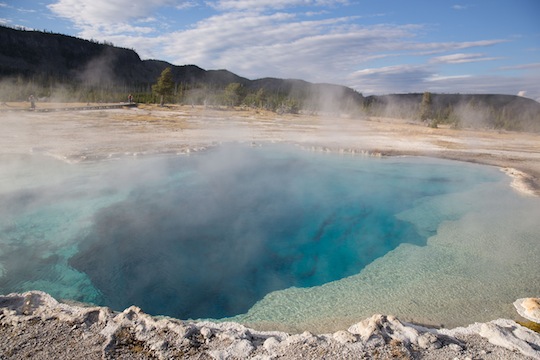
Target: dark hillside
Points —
{"points": [[48, 58], [42, 56], [34, 53], [37, 62]]}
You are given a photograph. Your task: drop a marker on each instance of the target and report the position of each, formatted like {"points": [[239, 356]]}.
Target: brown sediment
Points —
{"points": [[149, 129]]}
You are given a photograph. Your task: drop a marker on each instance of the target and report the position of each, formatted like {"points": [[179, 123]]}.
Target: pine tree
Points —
{"points": [[425, 106], [164, 85], [233, 94]]}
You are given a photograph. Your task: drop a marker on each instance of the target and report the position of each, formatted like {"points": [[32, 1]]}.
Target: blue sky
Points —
{"points": [[375, 46]]}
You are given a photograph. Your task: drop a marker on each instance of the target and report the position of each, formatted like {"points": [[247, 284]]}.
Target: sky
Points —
{"points": [[373, 46]]}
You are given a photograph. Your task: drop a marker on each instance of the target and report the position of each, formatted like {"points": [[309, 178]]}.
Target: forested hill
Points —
{"points": [[47, 57], [54, 58], [46, 64]]}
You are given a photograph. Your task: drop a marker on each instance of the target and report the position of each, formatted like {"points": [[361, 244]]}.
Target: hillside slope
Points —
{"points": [[51, 59]]}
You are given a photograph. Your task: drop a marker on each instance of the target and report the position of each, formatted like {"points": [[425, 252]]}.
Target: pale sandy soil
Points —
{"points": [[96, 134]]}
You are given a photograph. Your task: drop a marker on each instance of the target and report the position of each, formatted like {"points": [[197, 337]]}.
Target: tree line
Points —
{"points": [[491, 111], [476, 111], [164, 91]]}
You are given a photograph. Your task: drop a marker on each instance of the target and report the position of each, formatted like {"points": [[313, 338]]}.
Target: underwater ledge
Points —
{"points": [[62, 330]]}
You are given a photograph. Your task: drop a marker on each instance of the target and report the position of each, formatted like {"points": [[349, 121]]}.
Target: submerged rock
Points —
{"points": [[58, 331]]}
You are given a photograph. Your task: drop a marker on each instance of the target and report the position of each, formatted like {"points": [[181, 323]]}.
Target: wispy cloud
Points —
{"points": [[462, 58], [19, 9], [431, 48], [288, 38], [420, 78], [251, 5], [186, 5], [111, 17], [437, 77], [521, 67], [460, 7], [406, 78], [281, 44]]}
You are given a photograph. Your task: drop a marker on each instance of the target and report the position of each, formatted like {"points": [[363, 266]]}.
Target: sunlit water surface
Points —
{"points": [[274, 237]]}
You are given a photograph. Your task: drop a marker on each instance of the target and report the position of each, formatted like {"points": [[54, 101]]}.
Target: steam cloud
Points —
{"points": [[209, 235], [246, 227]]}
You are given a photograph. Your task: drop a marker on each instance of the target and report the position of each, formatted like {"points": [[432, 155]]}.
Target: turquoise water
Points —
{"points": [[271, 236]]}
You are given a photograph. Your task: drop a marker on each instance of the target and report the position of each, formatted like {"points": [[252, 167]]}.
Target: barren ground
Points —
{"points": [[96, 134]]}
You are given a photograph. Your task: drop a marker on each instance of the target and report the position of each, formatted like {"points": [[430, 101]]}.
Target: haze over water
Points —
{"points": [[274, 236]]}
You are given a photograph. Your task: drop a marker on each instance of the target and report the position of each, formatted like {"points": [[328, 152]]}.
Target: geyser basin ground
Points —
{"points": [[273, 236]]}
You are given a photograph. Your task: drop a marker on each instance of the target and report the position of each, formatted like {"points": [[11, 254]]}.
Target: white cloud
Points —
{"points": [[186, 5], [440, 47], [420, 78], [461, 58], [531, 66], [388, 79], [437, 77], [105, 16], [460, 7], [19, 9], [251, 5], [281, 45], [293, 39]]}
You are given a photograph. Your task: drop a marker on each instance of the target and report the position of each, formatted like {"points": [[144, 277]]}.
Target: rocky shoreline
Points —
{"points": [[34, 324]]}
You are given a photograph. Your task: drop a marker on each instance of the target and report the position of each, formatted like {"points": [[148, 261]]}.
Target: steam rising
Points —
{"points": [[254, 232], [210, 235], [247, 224]]}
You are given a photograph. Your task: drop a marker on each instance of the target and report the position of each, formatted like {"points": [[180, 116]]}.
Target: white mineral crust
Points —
{"points": [[104, 334]]}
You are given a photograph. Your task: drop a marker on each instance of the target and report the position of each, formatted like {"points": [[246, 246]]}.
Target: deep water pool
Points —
{"points": [[271, 236]]}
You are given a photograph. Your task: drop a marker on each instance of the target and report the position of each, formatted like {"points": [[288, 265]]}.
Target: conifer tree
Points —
{"points": [[233, 94], [425, 106], [164, 85]]}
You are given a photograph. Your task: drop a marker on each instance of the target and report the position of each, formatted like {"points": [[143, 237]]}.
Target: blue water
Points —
{"points": [[210, 235]]}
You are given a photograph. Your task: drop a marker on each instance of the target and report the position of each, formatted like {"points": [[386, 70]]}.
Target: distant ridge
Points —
{"points": [[40, 54], [48, 58]]}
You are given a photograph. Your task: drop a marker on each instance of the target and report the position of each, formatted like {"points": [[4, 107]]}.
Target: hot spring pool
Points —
{"points": [[273, 236]]}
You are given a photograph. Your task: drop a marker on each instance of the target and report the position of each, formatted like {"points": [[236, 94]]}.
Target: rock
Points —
{"points": [[455, 347], [134, 334], [385, 328], [428, 341], [240, 349], [343, 337], [368, 328], [512, 337], [271, 344], [206, 332], [529, 308], [306, 338]]}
